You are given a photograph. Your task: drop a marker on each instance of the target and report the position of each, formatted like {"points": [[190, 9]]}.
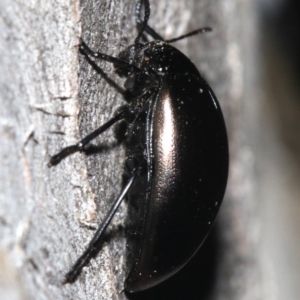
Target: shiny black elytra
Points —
{"points": [[177, 158]]}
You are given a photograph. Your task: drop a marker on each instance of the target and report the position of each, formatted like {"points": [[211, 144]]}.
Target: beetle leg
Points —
{"points": [[85, 50], [98, 237], [80, 146]]}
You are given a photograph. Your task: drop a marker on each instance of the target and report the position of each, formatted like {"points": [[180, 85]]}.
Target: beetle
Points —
{"points": [[176, 158]]}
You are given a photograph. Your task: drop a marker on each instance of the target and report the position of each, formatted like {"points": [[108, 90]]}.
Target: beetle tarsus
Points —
{"points": [[55, 159]]}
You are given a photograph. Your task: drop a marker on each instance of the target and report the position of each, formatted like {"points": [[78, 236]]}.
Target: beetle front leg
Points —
{"points": [[81, 146]]}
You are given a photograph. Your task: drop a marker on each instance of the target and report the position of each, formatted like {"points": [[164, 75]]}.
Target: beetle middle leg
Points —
{"points": [[121, 114]]}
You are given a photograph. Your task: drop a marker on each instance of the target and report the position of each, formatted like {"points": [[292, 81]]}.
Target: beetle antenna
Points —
{"points": [[147, 29], [194, 32], [144, 27], [145, 21]]}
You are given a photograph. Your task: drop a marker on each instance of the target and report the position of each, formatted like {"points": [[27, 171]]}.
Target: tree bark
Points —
{"points": [[51, 97]]}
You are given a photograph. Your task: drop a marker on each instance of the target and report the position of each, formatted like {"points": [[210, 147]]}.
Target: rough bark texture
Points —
{"points": [[51, 97]]}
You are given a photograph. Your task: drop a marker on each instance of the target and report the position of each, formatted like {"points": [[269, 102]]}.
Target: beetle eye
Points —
{"points": [[122, 72]]}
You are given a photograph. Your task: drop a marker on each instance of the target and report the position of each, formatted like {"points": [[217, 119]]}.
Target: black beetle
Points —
{"points": [[177, 158]]}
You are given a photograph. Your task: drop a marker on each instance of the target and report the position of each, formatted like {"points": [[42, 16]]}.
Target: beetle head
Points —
{"points": [[139, 80]]}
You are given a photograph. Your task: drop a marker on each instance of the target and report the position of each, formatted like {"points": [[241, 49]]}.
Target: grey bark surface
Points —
{"points": [[51, 97]]}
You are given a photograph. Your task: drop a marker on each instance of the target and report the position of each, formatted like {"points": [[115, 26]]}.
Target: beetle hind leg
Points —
{"points": [[93, 246]]}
